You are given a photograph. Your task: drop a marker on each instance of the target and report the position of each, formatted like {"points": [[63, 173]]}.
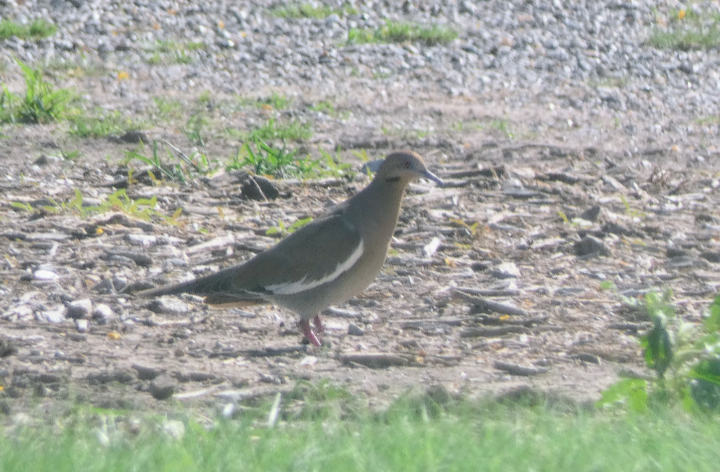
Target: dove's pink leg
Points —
{"points": [[318, 324], [308, 332]]}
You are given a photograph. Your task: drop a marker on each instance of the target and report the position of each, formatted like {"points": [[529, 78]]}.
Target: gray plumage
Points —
{"points": [[327, 261]]}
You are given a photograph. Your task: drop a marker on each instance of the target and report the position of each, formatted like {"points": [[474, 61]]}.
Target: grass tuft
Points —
{"points": [[103, 123], [176, 166], [401, 32], [38, 29], [304, 10], [42, 103], [267, 160], [195, 128], [274, 101], [172, 52], [292, 131], [685, 357], [307, 10], [324, 106], [687, 30], [143, 208], [323, 434], [503, 126], [168, 108], [264, 159]]}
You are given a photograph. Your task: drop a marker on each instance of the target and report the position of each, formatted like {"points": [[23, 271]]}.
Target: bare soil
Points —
{"points": [[506, 224]]}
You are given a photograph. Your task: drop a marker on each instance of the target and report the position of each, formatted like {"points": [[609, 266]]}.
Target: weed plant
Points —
{"points": [[42, 103], [402, 32], [38, 29]]}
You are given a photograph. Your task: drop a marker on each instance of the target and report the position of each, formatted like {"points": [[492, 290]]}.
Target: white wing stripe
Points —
{"points": [[289, 288]]}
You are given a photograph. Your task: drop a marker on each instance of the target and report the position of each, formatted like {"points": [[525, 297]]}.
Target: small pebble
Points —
{"points": [[141, 239], [146, 372], [79, 309], [45, 275], [591, 245], [81, 326], [174, 428], [102, 313], [168, 306], [53, 316], [163, 387], [506, 270], [591, 214], [228, 410]]}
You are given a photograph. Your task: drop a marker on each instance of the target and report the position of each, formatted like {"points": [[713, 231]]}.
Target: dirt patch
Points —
{"points": [[575, 156], [533, 204]]}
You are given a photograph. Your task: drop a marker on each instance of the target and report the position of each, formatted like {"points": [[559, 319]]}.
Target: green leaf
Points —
{"points": [[299, 224], [146, 202], [564, 217], [709, 342], [659, 305], [658, 347], [607, 285], [708, 370], [114, 199], [362, 155], [705, 388], [77, 201], [712, 322], [71, 155], [631, 392], [22, 206], [130, 155]]}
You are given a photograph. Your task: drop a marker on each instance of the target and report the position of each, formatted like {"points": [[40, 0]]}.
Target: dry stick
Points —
{"points": [[267, 352], [274, 411], [198, 393], [541, 328], [341, 313], [629, 326], [490, 305], [516, 369], [249, 394], [140, 259], [374, 359], [523, 146], [154, 321], [587, 357], [445, 360], [508, 292], [182, 155], [463, 174], [257, 187], [527, 322], [432, 321], [491, 332], [608, 355]]}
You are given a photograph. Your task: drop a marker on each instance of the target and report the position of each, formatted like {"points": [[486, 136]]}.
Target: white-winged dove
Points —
{"points": [[327, 261]]}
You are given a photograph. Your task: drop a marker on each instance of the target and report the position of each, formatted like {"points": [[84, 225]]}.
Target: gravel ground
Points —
{"points": [[537, 109]]}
